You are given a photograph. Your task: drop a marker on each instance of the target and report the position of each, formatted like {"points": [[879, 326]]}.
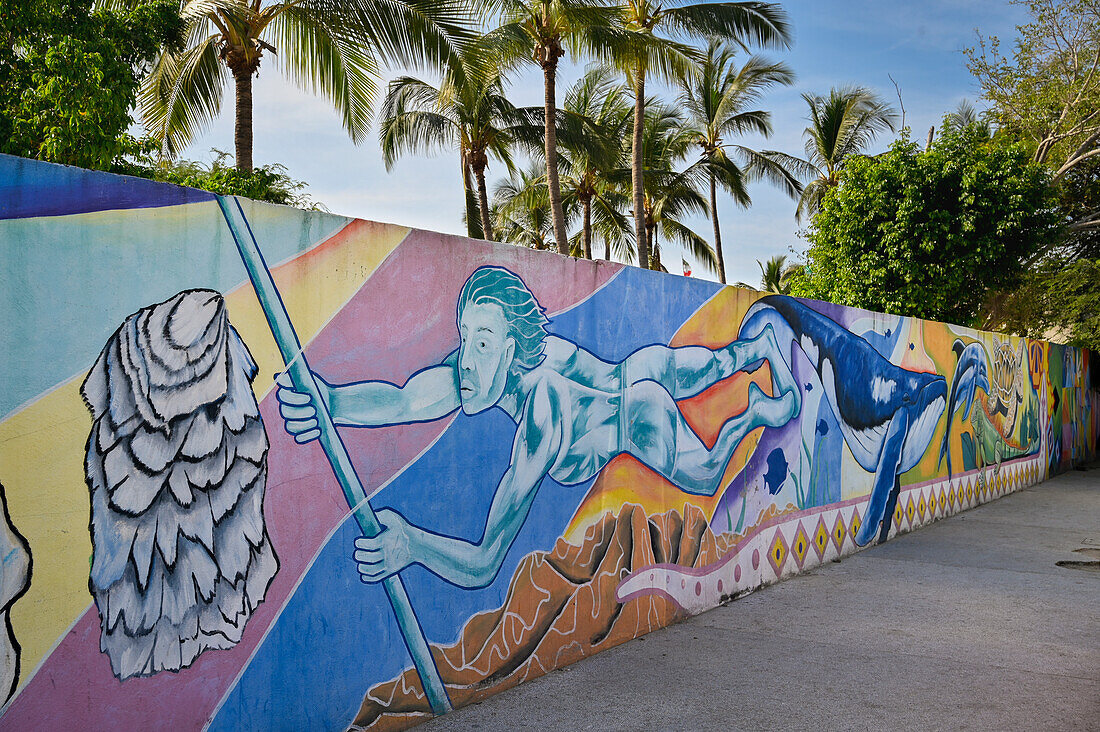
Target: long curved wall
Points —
{"points": [[564, 454]]}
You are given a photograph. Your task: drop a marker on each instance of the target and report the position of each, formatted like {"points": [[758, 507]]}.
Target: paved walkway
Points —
{"points": [[966, 624]]}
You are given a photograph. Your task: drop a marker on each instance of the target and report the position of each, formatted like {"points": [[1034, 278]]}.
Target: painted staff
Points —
{"points": [[290, 348]]}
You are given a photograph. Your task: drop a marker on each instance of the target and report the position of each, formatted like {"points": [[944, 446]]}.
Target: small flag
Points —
{"points": [[687, 267]]}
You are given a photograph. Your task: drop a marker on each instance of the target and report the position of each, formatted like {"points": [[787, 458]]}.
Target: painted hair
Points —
{"points": [[525, 317]]}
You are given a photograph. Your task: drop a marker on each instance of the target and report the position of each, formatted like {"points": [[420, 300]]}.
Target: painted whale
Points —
{"points": [[887, 414]]}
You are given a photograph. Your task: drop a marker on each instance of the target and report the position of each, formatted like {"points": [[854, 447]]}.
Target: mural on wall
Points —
{"points": [[15, 578], [176, 464], [573, 412], [560, 455]]}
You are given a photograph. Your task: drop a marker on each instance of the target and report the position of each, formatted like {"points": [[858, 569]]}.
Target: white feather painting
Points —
{"points": [[176, 464]]}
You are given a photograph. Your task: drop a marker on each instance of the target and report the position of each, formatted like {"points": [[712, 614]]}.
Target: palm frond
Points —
{"points": [[315, 58], [781, 170], [809, 202], [762, 24], [695, 245], [182, 93], [414, 131], [421, 34]]}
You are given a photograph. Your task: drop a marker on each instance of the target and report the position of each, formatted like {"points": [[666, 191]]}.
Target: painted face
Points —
{"points": [[484, 356]]}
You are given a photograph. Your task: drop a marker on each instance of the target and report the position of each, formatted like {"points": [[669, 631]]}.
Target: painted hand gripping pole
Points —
{"points": [[290, 348]]}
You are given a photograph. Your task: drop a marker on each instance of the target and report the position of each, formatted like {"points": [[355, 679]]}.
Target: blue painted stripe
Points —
{"points": [[336, 637], [69, 281], [33, 188]]}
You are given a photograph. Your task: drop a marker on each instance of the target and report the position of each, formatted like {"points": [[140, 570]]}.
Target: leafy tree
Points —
{"points": [[264, 183], [1044, 94], [842, 125], [1048, 93], [928, 233], [1073, 296], [333, 48], [468, 110], [69, 75], [653, 48], [715, 97]]}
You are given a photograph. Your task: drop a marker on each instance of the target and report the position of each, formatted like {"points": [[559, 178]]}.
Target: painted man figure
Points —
{"points": [[574, 412]]}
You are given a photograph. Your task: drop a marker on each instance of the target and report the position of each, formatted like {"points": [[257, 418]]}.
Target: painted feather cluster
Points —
{"points": [[176, 464]]}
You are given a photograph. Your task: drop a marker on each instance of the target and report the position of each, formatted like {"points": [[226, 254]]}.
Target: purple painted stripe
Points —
{"points": [[401, 320], [30, 188]]}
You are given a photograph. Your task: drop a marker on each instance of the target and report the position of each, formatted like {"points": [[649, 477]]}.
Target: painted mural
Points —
{"points": [[281, 469]]}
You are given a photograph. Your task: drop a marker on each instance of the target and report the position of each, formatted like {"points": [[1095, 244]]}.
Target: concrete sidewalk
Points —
{"points": [[966, 624]]}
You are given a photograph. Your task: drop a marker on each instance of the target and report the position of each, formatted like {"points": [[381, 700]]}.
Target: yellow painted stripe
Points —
{"points": [[42, 446], [314, 286], [42, 468]]}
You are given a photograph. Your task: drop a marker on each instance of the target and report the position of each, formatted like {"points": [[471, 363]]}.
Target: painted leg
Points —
{"points": [[690, 370], [747, 355], [683, 372], [697, 469]]}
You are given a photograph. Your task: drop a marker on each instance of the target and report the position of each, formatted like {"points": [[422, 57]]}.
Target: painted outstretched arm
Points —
{"points": [[428, 395], [464, 563]]}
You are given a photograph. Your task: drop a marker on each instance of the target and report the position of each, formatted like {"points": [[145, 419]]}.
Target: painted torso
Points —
{"points": [[588, 391]]}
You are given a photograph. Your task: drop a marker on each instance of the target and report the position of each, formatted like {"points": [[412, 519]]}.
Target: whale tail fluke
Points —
{"points": [[971, 372]]}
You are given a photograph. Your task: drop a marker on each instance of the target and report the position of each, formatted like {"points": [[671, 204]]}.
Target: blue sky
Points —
{"points": [[836, 42]]}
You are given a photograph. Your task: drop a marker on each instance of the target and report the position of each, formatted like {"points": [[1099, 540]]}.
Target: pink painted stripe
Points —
{"points": [[401, 320]]}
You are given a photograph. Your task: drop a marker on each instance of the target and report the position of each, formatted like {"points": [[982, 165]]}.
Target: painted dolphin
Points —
{"points": [[972, 361], [887, 414]]}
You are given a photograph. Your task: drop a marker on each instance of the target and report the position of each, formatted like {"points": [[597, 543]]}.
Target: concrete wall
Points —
{"points": [[581, 452]]}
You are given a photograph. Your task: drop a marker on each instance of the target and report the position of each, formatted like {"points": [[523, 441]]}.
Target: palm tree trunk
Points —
{"points": [[654, 249], [242, 130], [717, 231], [607, 249], [587, 228], [550, 71], [636, 168], [473, 216], [483, 202]]}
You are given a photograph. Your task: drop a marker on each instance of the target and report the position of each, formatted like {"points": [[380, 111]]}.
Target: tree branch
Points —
{"points": [[1080, 154]]}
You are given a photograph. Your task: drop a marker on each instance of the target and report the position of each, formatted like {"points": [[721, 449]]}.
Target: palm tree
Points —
{"points": [[521, 209], [965, 115], [654, 25], [715, 98], [841, 125], [774, 277], [670, 195], [467, 111], [333, 48], [541, 31], [595, 119]]}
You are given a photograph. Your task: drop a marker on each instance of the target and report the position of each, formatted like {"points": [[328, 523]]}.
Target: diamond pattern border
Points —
{"points": [[840, 532], [821, 538], [777, 554], [800, 545]]}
